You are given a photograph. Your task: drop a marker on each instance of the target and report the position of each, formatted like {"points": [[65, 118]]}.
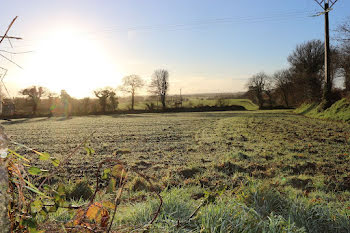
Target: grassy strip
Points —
{"points": [[339, 111]]}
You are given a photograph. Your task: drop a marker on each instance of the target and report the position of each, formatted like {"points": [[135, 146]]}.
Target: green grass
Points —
{"points": [[278, 171], [196, 102], [339, 111]]}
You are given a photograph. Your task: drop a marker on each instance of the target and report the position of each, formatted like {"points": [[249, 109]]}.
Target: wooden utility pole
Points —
{"points": [[326, 5], [328, 85]]}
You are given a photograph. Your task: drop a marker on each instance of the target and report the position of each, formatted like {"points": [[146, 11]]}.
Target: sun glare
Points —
{"points": [[74, 62]]}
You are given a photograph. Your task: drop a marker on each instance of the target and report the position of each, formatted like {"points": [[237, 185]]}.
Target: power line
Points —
{"points": [[200, 23], [8, 59], [5, 51]]}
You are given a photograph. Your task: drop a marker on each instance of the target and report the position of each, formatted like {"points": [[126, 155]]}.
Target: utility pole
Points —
{"points": [[326, 5]]}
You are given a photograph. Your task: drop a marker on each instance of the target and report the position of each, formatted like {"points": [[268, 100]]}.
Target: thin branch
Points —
{"points": [[117, 198], [148, 179], [8, 29], [11, 37], [66, 159], [98, 173]]}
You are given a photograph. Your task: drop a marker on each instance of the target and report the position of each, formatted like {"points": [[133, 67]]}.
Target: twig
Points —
{"points": [[8, 29], [117, 198], [97, 186], [66, 159], [153, 190], [196, 210], [77, 148]]}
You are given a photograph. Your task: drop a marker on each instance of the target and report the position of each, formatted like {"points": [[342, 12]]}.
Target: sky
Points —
{"points": [[208, 46]]}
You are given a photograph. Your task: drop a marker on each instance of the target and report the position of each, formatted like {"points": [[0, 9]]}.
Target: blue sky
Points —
{"points": [[207, 45]]}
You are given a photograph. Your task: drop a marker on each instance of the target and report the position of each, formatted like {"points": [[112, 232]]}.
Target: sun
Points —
{"points": [[73, 61]]}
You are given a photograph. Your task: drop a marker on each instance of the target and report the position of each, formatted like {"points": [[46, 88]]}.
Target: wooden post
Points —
{"points": [[328, 84], [4, 198]]}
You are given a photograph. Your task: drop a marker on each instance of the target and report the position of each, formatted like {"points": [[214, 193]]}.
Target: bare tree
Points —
{"points": [[344, 31], [160, 85], [256, 85], [307, 62], [283, 84], [130, 85], [345, 66], [103, 95], [344, 50], [269, 90], [34, 94]]}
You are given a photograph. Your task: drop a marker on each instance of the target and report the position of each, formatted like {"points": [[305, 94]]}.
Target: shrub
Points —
{"points": [[81, 190]]}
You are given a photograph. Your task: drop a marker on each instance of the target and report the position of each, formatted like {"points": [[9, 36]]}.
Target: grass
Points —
{"points": [[196, 102], [256, 171], [339, 111]]}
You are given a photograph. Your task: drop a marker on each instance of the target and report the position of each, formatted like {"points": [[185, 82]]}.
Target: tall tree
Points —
{"points": [[344, 38], [113, 100], [34, 94], [66, 100], [103, 95], [307, 62], [130, 85], [256, 85], [269, 90], [283, 84], [345, 65], [160, 85]]}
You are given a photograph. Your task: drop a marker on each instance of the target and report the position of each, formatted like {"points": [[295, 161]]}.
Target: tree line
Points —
{"points": [[107, 97], [303, 81]]}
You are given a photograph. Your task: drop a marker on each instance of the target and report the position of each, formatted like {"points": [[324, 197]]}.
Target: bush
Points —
{"points": [[150, 106], [81, 190]]}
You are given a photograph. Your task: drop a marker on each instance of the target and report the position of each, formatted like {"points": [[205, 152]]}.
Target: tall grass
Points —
{"points": [[254, 208]]}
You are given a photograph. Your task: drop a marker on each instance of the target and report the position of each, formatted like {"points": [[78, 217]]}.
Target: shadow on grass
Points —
{"points": [[24, 120], [310, 108]]}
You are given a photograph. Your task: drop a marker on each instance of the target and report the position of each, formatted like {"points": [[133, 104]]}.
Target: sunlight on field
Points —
{"points": [[274, 164], [193, 103]]}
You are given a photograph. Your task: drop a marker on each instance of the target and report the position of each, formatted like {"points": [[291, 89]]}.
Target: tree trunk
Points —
{"points": [[285, 97], [260, 100], [163, 101], [35, 106], [4, 198], [347, 81], [104, 105], [132, 100]]}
